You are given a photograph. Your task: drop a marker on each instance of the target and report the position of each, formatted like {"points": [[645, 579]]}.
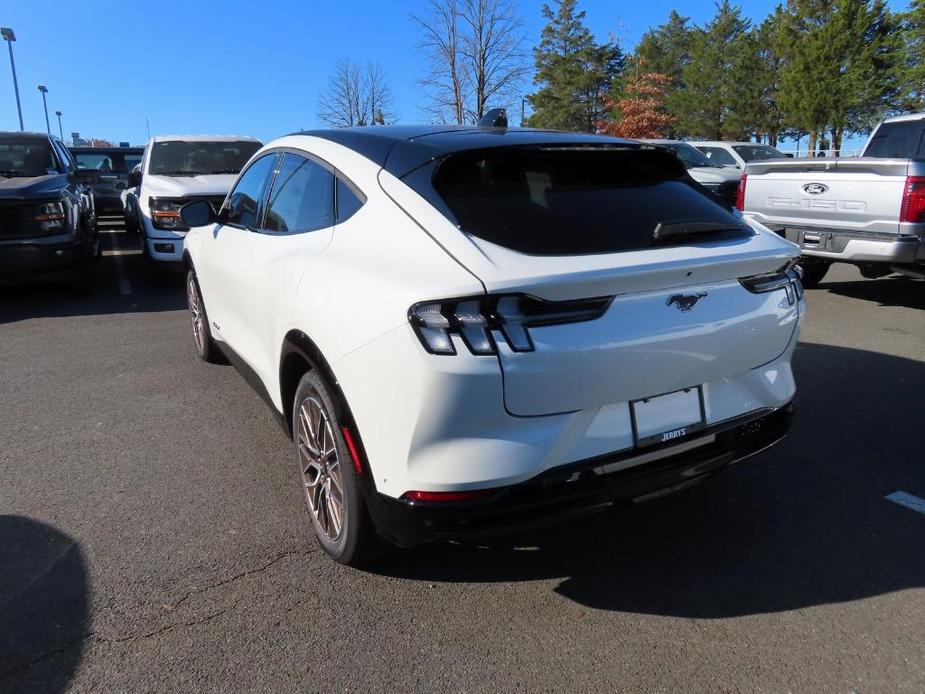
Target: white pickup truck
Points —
{"points": [[868, 211]]}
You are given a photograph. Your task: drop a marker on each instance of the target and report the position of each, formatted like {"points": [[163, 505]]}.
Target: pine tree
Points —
{"points": [[665, 50], [573, 72], [913, 67], [715, 81]]}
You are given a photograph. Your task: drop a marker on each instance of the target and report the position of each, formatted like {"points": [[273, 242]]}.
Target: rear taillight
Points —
{"points": [[913, 205], [740, 193], [479, 322], [788, 278]]}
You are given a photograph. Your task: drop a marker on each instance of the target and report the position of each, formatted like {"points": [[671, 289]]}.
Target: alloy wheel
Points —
{"points": [[320, 468], [195, 310]]}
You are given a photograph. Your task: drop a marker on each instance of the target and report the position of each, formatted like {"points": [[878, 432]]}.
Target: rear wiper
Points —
{"points": [[689, 227]]}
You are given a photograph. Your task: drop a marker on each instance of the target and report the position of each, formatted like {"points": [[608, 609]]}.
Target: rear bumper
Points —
{"points": [[855, 247], [581, 487], [24, 259]]}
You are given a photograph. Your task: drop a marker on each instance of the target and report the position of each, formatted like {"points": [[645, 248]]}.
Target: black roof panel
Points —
{"points": [[400, 149]]}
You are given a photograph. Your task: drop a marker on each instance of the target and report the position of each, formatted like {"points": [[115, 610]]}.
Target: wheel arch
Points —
{"points": [[298, 355]]}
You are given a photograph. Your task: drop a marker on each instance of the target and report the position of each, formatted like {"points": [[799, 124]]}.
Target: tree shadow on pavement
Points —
{"points": [[44, 611], [802, 524]]}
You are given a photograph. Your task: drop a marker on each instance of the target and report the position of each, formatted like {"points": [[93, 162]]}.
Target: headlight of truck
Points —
{"points": [[52, 216], [165, 214]]}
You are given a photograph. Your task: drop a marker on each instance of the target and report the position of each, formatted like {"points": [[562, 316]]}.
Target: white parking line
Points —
{"points": [[908, 500], [125, 287]]}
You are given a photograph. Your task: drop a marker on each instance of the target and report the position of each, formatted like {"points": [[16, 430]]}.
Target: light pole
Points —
{"points": [[60, 129], [9, 37], [44, 90]]}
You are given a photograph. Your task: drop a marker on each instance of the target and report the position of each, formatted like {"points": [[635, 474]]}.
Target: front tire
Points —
{"points": [[813, 271], [330, 488], [202, 336]]}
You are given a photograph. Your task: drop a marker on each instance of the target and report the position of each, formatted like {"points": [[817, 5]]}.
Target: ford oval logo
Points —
{"points": [[815, 188]]}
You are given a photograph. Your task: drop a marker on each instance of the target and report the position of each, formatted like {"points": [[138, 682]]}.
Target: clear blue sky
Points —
{"points": [[241, 67]]}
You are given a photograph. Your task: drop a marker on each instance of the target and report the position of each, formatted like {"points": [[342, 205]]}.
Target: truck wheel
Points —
{"points": [[813, 271]]}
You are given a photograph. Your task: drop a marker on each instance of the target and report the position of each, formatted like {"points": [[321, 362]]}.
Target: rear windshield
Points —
{"points": [[900, 140], [574, 201], [758, 152], [194, 158]]}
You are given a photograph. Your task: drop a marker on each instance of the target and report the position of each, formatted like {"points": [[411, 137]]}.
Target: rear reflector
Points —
{"points": [[913, 205], [474, 495], [351, 446]]}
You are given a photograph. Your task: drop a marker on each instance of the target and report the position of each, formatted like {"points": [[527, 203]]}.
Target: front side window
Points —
{"points": [[719, 156], [690, 156], [243, 204], [200, 157], [302, 197]]}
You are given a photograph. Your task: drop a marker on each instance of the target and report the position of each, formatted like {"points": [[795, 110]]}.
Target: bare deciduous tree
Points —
{"points": [[356, 95], [475, 56]]}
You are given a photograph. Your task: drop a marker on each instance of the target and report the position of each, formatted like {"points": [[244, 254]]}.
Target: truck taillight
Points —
{"points": [[913, 206], [740, 194]]}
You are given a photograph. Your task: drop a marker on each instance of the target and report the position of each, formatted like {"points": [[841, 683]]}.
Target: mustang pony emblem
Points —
{"points": [[684, 302]]}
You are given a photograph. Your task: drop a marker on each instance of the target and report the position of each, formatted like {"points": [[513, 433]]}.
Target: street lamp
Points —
{"points": [[9, 37], [60, 129], [44, 90]]}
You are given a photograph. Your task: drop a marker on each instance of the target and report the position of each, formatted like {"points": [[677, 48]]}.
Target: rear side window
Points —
{"points": [[574, 201], [302, 197], [348, 201], [901, 140]]}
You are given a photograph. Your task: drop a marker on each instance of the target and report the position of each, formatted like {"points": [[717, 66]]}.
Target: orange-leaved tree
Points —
{"points": [[640, 111]]}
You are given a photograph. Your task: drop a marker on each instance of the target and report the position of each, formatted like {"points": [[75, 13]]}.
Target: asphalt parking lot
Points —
{"points": [[152, 537]]}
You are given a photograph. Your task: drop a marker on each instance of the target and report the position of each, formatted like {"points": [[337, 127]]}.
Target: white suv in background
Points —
{"points": [[175, 170], [467, 329]]}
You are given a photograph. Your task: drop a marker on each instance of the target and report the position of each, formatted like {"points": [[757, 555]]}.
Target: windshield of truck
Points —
{"points": [[194, 158], [575, 200], [689, 156], [26, 157], [758, 152], [899, 140]]}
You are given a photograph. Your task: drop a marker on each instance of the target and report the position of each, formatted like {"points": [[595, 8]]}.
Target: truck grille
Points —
{"points": [[17, 221]]}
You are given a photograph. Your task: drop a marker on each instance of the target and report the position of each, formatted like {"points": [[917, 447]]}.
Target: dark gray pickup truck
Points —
{"points": [[47, 218], [114, 165]]}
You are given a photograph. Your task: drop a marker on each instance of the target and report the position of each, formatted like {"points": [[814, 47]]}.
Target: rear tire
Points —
{"points": [[205, 346], [813, 271], [330, 487]]}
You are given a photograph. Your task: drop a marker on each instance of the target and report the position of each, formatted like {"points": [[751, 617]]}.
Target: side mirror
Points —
{"points": [[89, 177], [134, 179], [198, 214], [789, 155]]}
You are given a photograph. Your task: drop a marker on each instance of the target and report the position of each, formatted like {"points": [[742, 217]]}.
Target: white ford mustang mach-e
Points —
{"points": [[468, 330]]}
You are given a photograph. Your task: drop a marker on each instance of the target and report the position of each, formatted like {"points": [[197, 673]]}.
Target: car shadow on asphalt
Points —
{"points": [[886, 291], [122, 283], [802, 524], [44, 606]]}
